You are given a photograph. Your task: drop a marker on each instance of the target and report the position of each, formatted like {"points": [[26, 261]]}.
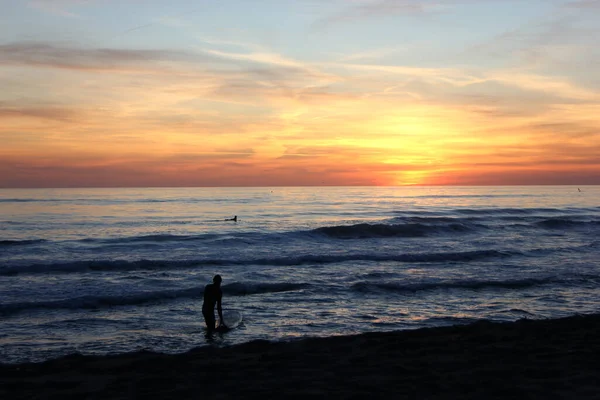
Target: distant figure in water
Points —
{"points": [[234, 219], [579, 189], [212, 296]]}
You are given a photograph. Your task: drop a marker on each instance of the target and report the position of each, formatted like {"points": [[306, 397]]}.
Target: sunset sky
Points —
{"points": [[114, 93]]}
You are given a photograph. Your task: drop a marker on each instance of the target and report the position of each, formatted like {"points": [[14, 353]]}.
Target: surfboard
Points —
{"points": [[232, 320]]}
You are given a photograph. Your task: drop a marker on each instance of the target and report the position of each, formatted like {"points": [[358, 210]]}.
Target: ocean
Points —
{"points": [[105, 271]]}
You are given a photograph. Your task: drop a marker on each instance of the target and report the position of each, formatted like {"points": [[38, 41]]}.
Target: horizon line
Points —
{"points": [[288, 186]]}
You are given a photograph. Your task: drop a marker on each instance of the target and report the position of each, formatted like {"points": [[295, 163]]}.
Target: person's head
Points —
{"points": [[217, 280]]}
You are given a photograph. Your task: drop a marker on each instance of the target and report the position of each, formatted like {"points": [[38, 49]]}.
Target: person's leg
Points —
{"points": [[209, 318]]}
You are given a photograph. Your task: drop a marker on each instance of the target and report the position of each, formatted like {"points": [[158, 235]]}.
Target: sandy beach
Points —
{"points": [[543, 359]]}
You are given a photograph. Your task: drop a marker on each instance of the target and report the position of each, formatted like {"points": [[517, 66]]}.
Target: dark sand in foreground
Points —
{"points": [[549, 359]]}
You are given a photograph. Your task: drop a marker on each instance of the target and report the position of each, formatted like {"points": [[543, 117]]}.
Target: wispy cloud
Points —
{"points": [[554, 41], [587, 4], [377, 8], [552, 85], [69, 57], [171, 20], [57, 7], [454, 76], [257, 70], [278, 61], [372, 54], [52, 113], [367, 9]]}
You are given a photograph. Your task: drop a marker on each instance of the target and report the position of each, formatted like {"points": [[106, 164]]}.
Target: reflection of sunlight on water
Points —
{"points": [[101, 213], [387, 320]]}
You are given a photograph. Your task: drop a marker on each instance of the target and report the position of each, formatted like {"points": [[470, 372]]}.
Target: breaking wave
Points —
{"points": [[474, 284], [564, 223], [21, 242], [123, 265], [96, 302], [362, 231]]}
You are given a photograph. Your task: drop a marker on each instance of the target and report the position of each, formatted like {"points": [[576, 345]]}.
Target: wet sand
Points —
{"points": [[548, 359]]}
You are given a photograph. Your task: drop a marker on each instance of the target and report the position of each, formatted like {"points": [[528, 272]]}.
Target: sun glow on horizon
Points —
{"points": [[100, 95]]}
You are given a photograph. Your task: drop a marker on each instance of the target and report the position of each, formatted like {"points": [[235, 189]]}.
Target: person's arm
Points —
{"points": [[220, 309]]}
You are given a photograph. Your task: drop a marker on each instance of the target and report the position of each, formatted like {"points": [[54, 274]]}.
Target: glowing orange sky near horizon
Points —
{"points": [[243, 111]]}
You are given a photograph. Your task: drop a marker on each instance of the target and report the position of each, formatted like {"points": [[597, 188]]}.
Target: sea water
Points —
{"points": [[104, 271]]}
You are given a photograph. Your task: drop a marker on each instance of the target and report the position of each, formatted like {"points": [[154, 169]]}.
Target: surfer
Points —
{"points": [[212, 296], [234, 219]]}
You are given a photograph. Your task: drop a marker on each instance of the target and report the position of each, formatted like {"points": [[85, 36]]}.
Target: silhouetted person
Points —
{"points": [[234, 219], [212, 296]]}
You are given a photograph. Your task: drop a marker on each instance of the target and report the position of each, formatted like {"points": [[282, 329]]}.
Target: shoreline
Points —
{"points": [[533, 359]]}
